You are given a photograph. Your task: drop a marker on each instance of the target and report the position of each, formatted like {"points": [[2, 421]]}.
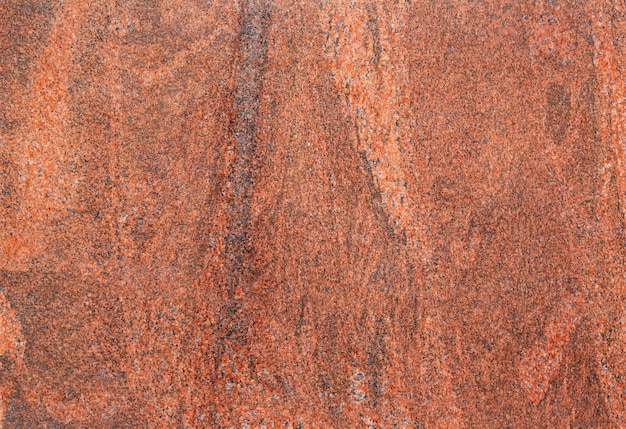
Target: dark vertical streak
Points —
{"points": [[234, 324], [252, 58], [372, 26]]}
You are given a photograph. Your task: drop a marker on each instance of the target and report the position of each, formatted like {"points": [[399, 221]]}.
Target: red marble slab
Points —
{"points": [[294, 214]]}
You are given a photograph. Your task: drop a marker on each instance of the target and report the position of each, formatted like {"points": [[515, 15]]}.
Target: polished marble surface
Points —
{"points": [[312, 214]]}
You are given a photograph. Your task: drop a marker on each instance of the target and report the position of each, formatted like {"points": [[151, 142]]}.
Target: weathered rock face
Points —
{"points": [[264, 213]]}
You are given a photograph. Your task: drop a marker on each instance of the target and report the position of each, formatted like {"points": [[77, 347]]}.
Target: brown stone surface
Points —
{"points": [[298, 214]]}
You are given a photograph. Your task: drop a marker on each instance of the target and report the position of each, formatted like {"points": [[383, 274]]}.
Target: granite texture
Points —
{"points": [[312, 214]]}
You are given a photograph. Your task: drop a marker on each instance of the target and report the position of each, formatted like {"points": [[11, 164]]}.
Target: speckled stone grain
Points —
{"points": [[312, 214]]}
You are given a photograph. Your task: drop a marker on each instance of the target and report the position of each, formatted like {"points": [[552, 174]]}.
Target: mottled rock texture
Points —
{"points": [[312, 214]]}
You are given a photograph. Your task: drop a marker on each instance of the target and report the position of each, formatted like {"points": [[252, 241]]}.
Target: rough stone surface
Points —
{"points": [[299, 214]]}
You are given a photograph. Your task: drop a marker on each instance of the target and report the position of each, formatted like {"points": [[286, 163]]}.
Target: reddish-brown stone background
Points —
{"points": [[312, 214]]}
